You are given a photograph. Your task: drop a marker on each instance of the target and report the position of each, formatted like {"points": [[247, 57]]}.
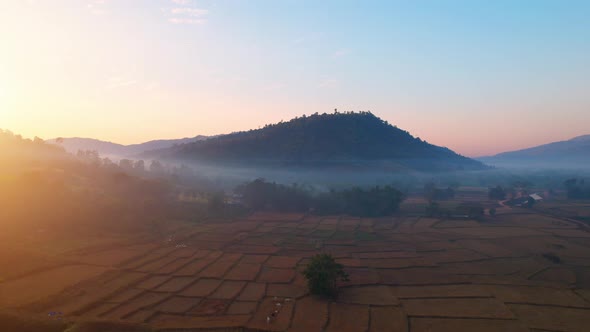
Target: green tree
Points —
{"points": [[126, 165], [492, 211], [432, 209], [322, 274], [497, 193], [156, 168], [139, 166], [216, 203]]}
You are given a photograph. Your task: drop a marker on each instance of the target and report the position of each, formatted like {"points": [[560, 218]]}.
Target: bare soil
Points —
{"points": [[406, 274]]}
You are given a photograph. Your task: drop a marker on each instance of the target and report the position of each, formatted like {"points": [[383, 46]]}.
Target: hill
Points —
{"points": [[74, 144], [573, 153], [68, 191], [338, 139]]}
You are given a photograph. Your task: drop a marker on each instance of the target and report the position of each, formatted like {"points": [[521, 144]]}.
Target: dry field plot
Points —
{"points": [[244, 271], [202, 288], [375, 295], [36, 287], [388, 319], [146, 299], [279, 312], [457, 307], [455, 325], [152, 282], [286, 290], [228, 290], [311, 314], [252, 292], [517, 272], [177, 305], [348, 318], [175, 284]]}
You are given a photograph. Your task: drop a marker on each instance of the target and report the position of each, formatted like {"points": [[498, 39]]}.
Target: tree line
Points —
{"points": [[363, 202], [577, 188]]}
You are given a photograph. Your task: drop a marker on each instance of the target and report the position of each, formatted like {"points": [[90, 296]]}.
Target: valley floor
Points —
{"points": [[518, 271]]}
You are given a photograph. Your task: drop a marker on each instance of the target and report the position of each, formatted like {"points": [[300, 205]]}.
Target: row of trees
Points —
{"points": [[470, 210], [517, 188], [432, 193], [155, 169], [372, 202], [127, 165], [577, 188]]}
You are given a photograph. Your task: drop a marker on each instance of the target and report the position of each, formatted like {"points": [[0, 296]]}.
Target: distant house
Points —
{"points": [[519, 201], [527, 200]]}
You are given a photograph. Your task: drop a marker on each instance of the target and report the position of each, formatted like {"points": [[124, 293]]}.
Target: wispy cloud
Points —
{"points": [[193, 21], [298, 41], [186, 15], [224, 80], [97, 7], [340, 53], [328, 83], [193, 12], [276, 86], [119, 82]]}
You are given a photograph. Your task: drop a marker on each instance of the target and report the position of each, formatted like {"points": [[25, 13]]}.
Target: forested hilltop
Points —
{"points": [[323, 139]]}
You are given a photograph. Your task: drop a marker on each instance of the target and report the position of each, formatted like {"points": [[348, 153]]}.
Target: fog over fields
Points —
{"points": [[294, 166]]}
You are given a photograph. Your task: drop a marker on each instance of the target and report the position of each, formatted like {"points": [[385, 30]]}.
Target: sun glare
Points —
{"points": [[3, 92]]}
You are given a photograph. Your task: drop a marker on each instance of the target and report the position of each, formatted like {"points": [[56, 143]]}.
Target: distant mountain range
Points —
{"points": [[322, 140], [74, 144], [573, 153]]}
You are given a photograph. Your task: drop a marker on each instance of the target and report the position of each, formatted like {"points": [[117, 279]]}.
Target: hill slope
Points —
{"points": [[326, 139], [571, 153], [74, 144]]}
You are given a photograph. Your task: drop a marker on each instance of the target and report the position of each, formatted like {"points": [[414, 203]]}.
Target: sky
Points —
{"points": [[479, 77]]}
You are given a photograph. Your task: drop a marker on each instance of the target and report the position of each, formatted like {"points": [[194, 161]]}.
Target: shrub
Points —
{"points": [[322, 274]]}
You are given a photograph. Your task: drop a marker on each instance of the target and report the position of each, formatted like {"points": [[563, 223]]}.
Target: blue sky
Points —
{"points": [[477, 76]]}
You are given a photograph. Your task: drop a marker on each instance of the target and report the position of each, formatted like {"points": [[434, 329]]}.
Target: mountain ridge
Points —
{"points": [[568, 153], [342, 138], [107, 148]]}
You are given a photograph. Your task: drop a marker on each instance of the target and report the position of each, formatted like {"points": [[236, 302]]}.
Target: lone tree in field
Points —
{"points": [[322, 274]]}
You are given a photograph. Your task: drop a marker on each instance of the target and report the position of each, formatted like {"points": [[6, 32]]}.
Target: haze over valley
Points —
{"points": [[286, 166]]}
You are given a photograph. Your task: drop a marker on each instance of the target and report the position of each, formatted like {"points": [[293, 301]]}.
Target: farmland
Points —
{"points": [[406, 274]]}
